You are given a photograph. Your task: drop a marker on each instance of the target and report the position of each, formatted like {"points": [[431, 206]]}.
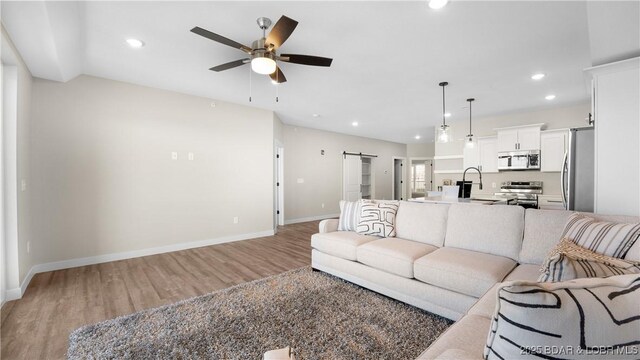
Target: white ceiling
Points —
{"points": [[388, 56]]}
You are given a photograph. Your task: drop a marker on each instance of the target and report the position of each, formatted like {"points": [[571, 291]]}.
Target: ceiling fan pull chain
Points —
{"points": [[250, 83], [277, 84]]}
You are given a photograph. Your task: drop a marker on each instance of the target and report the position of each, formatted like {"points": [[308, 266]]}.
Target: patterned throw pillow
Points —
{"points": [[603, 237], [349, 215], [590, 318], [378, 218], [568, 261]]}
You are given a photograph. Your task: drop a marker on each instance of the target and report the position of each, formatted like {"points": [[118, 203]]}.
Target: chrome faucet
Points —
{"points": [[464, 174]]}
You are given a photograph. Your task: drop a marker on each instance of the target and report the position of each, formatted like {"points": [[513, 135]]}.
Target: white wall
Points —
{"points": [[16, 166], [104, 182], [322, 174], [555, 118]]}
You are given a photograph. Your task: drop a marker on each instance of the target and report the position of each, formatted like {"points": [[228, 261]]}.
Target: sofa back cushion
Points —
{"points": [[425, 223], [494, 229], [542, 231]]}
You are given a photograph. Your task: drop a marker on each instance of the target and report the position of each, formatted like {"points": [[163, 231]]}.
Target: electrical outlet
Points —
{"points": [[174, 155], [28, 247], [235, 220], [190, 156], [23, 185], [323, 205], [300, 181], [493, 185]]}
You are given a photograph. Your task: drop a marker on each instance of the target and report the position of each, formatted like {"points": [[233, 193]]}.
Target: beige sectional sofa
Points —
{"points": [[448, 260]]}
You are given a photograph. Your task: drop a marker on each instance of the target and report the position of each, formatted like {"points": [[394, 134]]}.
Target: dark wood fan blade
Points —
{"points": [[306, 59], [221, 39], [230, 65], [281, 31], [278, 76]]}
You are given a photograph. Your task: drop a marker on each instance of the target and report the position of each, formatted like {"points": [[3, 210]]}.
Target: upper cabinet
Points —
{"points": [[484, 155], [553, 146], [519, 138]]}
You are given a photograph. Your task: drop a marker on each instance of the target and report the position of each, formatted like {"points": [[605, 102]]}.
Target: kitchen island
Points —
{"points": [[479, 200]]}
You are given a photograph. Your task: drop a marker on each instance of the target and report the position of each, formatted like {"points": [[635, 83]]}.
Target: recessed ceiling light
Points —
{"points": [[437, 4], [315, 115], [355, 123], [447, 114], [550, 97], [135, 43], [417, 137], [538, 76]]}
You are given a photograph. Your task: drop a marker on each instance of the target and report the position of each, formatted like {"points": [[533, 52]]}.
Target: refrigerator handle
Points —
{"points": [[563, 178]]}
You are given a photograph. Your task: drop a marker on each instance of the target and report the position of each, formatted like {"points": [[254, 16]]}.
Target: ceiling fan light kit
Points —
{"points": [[263, 54]]}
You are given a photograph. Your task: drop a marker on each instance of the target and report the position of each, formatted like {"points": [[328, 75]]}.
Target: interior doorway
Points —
{"points": [[421, 176], [398, 173], [278, 173]]}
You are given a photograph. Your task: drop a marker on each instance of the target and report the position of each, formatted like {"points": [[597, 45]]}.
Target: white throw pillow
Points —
{"points": [[568, 261], [592, 318], [603, 237], [349, 215], [378, 218]]}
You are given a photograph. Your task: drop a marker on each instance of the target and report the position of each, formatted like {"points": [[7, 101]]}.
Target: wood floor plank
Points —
{"points": [[58, 302]]}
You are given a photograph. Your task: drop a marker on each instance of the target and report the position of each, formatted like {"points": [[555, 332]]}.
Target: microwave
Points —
{"points": [[519, 160]]}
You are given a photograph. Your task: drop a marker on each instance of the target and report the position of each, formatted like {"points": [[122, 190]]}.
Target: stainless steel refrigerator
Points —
{"points": [[578, 171]]}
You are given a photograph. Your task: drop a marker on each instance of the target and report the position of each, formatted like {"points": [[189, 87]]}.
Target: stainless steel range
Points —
{"points": [[525, 193]]}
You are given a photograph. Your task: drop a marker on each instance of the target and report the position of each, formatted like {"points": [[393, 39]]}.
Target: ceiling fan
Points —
{"points": [[263, 52]]}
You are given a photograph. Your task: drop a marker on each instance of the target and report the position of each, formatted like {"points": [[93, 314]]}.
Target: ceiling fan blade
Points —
{"points": [[230, 65], [281, 31], [221, 39], [278, 76], [306, 59]]}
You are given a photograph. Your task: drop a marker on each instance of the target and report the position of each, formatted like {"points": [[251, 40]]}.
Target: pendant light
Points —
{"points": [[444, 132], [470, 143]]}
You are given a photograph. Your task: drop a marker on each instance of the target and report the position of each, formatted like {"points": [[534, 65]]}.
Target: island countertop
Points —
{"points": [[479, 200]]}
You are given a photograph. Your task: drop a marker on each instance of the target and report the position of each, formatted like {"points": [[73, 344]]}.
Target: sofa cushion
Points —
{"points": [[340, 243], [487, 303], [584, 314], [468, 272], [469, 334], [495, 229], [542, 231], [393, 255], [426, 223]]}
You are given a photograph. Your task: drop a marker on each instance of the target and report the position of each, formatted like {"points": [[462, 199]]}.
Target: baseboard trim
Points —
{"points": [[311, 218], [16, 293]]}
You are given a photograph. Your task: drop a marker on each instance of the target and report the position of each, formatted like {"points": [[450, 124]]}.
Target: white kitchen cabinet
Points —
{"points": [[483, 156], [519, 138], [553, 146], [488, 154], [616, 110]]}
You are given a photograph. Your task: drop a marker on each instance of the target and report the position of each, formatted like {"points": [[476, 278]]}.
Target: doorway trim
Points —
{"points": [[403, 177], [278, 185]]}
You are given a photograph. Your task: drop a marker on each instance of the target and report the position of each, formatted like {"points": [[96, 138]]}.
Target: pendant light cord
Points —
{"points": [[443, 109], [470, 102]]}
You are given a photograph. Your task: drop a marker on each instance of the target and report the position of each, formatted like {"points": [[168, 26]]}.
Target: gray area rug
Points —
{"points": [[318, 315]]}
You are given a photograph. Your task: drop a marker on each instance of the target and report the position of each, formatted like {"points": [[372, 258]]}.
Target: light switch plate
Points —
{"points": [[300, 181], [190, 156], [174, 156]]}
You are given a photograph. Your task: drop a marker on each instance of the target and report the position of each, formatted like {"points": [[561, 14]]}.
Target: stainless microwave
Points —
{"points": [[519, 160]]}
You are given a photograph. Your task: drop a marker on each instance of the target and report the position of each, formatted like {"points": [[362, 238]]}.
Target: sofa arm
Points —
{"points": [[328, 225]]}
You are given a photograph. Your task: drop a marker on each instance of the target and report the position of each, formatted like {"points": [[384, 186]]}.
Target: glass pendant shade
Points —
{"points": [[470, 143], [444, 134]]}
